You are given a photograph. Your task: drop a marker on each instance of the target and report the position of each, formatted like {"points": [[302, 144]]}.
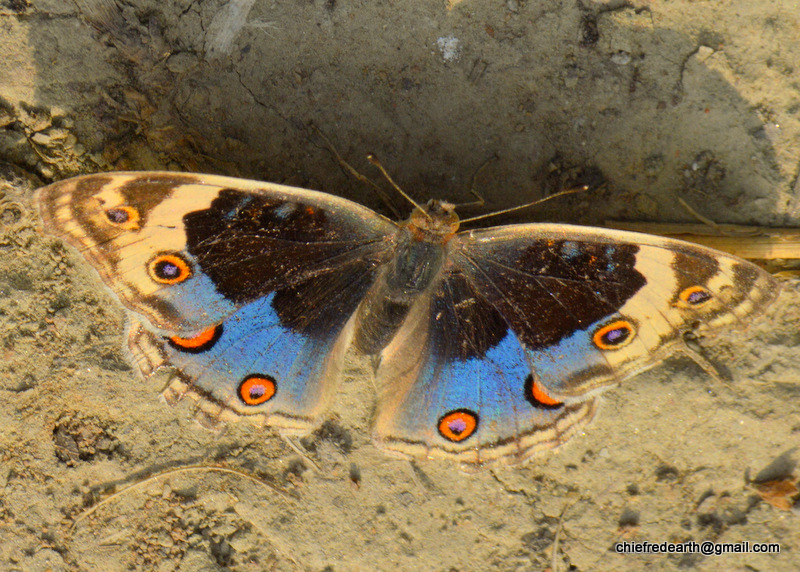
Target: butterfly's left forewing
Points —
{"points": [[185, 250]]}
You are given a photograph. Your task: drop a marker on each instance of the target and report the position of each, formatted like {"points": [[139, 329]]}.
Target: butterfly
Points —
{"points": [[492, 344]]}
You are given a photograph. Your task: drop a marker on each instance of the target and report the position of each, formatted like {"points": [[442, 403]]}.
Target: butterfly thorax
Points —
{"points": [[437, 221]]}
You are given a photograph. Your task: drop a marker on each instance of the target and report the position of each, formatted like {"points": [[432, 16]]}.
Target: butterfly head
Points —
{"points": [[437, 221]]}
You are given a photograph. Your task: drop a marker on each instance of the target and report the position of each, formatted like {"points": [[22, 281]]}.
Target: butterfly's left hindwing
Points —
{"points": [[250, 365], [245, 287]]}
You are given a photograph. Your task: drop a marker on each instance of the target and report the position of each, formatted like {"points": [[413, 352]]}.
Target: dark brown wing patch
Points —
{"points": [[549, 289], [252, 245]]}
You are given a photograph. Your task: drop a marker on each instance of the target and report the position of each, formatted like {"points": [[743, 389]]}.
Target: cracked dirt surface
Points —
{"points": [[645, 102]]}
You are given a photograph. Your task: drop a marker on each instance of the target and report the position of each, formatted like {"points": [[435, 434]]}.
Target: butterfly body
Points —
{"points": [[493, 343], [417, 259]]}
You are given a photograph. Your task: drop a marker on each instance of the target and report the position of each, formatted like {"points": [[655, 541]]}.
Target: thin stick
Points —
{"points": [[187, 469], [582, 189], [417, 482], [302, 453], [480, 202], [687, 351], [700, 217], [350, 169], [758, 243], [372, 158], [557, 537]]}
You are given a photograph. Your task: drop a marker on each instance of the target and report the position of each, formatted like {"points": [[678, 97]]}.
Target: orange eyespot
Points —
{"points": [[614, 335], [169, 269], [458, 425], [124, 217], [539, 395], [203, 341], [257, 389], [694, 296]]}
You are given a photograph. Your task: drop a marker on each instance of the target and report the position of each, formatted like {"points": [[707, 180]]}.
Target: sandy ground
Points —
{"points": [[645, 101]]}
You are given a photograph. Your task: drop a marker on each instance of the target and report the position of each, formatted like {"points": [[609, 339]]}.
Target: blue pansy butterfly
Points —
{"points": [[493, 344]]}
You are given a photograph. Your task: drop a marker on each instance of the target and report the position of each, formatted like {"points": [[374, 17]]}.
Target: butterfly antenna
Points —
{"points": [[582, 189], [372, 158]]}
